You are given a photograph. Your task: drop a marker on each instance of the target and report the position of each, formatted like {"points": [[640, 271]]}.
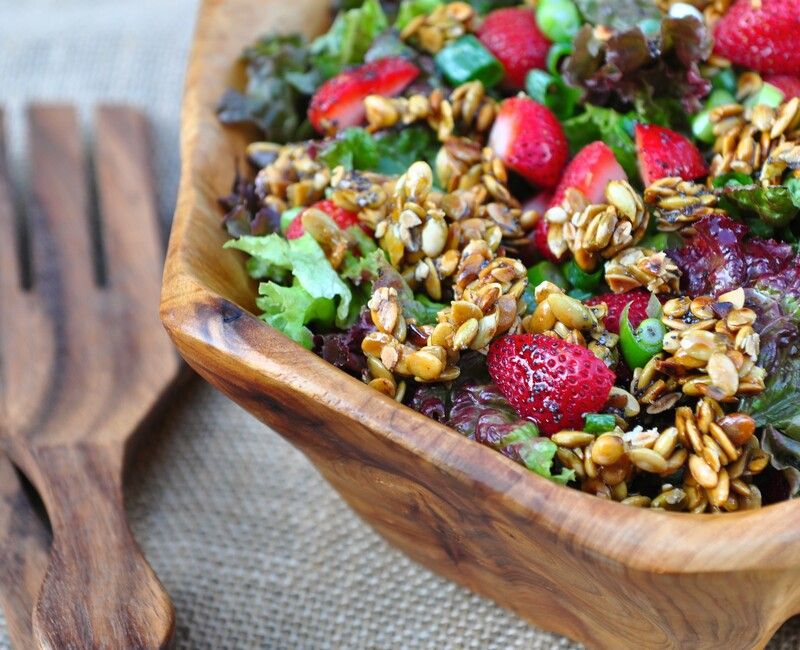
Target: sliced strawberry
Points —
{"points": [[549, 380], [540, 241], [343, 218], [639, 298], [761, 35], [788, 84], [529, 139], [539, 202], [664, 153], [590, 171], [339, 102], [515, 39]]}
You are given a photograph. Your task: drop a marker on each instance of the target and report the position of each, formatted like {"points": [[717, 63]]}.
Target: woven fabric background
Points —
{"points": [[255, 548]]}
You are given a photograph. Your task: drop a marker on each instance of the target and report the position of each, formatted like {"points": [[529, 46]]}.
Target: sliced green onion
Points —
{"points": [[598, 422], [559, 20], [466, 59], [642, 344], [702, 128], [546, 271], [537, 83], [580, 279], [554, 55], [720, 97], [768, 94], [725, 79], [552, 92]]}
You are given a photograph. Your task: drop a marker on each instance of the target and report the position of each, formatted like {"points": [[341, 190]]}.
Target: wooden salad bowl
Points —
{"points": [[604, 574]]}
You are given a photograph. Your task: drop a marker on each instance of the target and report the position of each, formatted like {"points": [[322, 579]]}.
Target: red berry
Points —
{"points": [[343, 218], [540, 241], [592, 168], [761, 36], [615, 302], [788, 84], [339, 102], [549, 380], [515, 39], [664, 153], [529, 139]]}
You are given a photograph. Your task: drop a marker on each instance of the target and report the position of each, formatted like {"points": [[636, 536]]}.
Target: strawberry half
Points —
{"points": [[590, 171], [540, 241], [515, 39], [339, 102], [529, 139], [788, 84], [663, 152], [549, 380], [762, 36], [343, 218], [639, 298]]}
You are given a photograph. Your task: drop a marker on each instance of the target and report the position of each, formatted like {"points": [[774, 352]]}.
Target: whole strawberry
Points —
{"points": [[639, 298], [761, 35], [515, 39], [339, 102], [663, 152], [549, 380], [343, 218], [529, 139]]}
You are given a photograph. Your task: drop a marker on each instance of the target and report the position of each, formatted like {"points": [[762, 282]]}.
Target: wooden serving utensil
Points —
{"points": [[83, 362]]}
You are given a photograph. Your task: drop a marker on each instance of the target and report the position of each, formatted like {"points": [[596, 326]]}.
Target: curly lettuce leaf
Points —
{"points": [[280, 80], [620, 14], [348, 39], [779, 404], [390, 153], [784, 456], [398, 151], [537, 453], [610, 126], [353, 148], [420, 308], [290, 309], [650, 73], [423, 310], [269, 256], [302, 258], [410, 9], [776, 205]]}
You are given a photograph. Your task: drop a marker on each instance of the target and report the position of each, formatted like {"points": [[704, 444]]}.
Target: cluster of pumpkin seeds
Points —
{"points": [[705, 460], [564, 317], [593, 232]]}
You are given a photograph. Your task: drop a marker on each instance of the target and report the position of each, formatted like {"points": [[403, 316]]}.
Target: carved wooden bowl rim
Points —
{"points": [[200, 310]]}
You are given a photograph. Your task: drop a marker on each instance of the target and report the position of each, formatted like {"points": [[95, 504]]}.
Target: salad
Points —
{"points": [[567, 229]]}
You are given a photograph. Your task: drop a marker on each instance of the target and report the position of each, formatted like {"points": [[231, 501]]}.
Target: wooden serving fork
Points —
{"points": [[83, 361]]}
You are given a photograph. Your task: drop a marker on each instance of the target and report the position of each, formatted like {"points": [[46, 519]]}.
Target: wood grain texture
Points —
{"points": [[596, 571], [84, 362], [24, 538]]}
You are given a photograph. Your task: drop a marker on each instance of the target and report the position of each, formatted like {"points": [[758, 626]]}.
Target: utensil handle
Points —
{"points": [[99, 591]]}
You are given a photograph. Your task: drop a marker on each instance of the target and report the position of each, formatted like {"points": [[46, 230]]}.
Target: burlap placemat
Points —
{"points": [[255, 548]]}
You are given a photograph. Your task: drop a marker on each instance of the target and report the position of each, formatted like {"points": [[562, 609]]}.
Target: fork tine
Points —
{"points": [[61, 242], [10, 279], [131, 227]]}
